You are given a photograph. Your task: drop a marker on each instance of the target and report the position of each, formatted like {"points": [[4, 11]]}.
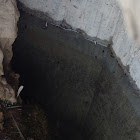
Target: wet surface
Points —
{"points": [[80, 85]]}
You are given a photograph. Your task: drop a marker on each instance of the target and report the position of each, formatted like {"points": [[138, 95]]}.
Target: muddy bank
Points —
{"points": [[80, 84]]}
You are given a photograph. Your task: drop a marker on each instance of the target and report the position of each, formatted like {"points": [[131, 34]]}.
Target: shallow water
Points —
{"points": [[79, 83]]}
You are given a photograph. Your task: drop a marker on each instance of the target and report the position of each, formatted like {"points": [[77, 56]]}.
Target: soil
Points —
{"points": [[28, 122]]}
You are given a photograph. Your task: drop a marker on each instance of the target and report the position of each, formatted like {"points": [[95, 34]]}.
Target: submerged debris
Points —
{"points": [[20, 133], [19, 90], [29, 122]]}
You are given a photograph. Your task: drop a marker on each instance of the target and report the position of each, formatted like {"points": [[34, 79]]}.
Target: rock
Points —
{"points": [[9, 16], [131, 10]]}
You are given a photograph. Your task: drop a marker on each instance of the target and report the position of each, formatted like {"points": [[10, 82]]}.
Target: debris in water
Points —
{"points": [[46, 24], [21, 135], [19, 90]]}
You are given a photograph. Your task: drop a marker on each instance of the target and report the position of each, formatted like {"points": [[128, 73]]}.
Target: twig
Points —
{"points": [[20, 133]]}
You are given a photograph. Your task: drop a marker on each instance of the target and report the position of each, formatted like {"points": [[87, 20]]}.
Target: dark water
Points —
{"points": [[80, 84]]}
